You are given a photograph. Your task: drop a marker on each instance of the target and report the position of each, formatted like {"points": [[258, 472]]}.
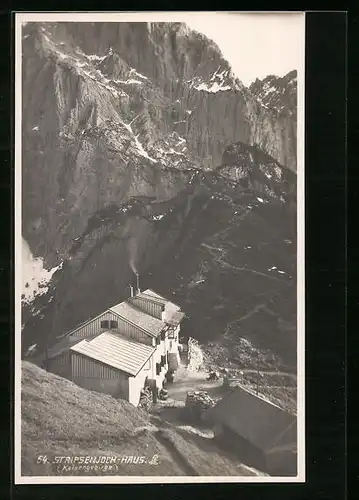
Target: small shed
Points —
{"points": [[261, 433]]}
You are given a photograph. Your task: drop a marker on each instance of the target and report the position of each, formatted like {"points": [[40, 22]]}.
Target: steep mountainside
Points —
{"points": [[106, 107], [140, 147]]}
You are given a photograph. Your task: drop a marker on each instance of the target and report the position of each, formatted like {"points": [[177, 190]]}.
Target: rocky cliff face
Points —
{"points": [[131, 132], [279, 96]]}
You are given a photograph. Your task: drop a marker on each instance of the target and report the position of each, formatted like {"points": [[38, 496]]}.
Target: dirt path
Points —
{"points": [[177, 456], [186, 380], [283, 374], [220, 260]]}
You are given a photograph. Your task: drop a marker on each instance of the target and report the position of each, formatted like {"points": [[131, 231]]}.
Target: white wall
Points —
{"points": [[136, 384], [168, 311]]}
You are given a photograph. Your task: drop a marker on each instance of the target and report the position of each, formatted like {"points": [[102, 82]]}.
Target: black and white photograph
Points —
{"points": [[159, 247]]}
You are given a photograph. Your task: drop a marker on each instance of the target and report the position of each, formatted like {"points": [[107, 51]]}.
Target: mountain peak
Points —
{"points": [[278, 94]]}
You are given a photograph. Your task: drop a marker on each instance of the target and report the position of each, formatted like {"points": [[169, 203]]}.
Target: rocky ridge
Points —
{"points": [[107, 108]]}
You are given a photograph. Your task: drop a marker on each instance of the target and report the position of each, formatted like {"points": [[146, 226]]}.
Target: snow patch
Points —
{"points": [[31, 350], [34, 276], [131, 80], [278, 172], [94, 57], [275, 268], [214, 88], [141, 149], [260, 199], [139, 146], [139, 75], [35, 129]]}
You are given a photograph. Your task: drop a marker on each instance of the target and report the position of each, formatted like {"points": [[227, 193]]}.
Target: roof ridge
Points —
{"points": [[274, 444], [123, 337], [161, 296], [143, 312], [132, 322], [118, 352], [144, 296]]}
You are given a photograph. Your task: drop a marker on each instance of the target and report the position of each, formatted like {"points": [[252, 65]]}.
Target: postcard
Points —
{"points": [[159, 240]]}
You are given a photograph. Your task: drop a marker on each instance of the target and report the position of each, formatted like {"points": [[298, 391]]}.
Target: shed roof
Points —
{"points": [[152, 326], [116, 351], [257, 420]]}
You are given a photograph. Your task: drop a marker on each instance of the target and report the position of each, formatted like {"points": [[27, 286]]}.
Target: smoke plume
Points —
{"points": [[132, 251]]}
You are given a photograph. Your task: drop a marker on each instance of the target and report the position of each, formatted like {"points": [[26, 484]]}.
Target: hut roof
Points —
{"points": [[150, 294], [116, 351], [255, 419], [146, 322]]}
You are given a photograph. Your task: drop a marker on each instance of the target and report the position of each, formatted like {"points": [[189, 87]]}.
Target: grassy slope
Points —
{"points": [[60, 418]]}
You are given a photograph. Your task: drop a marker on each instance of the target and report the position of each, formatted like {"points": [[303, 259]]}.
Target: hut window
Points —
{"points": [[163, 335], [105, 324], [158, 340], [113, 325], [158, 368], [171, 334], [163, 360]]}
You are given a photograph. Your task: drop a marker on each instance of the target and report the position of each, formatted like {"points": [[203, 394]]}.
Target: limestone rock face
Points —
{"points": [[128, 131]]}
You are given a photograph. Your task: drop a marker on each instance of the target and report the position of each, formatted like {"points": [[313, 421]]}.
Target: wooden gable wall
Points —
{"points": [[93, 327]]}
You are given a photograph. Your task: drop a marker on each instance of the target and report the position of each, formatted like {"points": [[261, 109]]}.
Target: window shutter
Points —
{"points": [[163, 335], [113, 325], [158, 368], [158, 340]]}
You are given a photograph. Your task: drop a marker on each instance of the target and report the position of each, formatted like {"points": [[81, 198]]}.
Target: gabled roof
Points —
{"points": [[159, 299], [257, 420], [149, 324], [152, 326], [116, 351], [81, 325]]}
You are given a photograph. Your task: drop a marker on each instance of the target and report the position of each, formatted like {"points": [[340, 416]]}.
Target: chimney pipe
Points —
{"points": [[138, 283], [131, 288]]}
